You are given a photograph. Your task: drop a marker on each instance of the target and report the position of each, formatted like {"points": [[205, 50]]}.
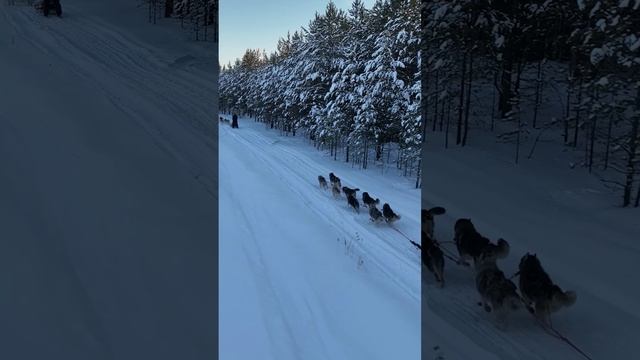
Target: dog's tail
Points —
{"points": [[438, 210], [566, 298], [503, 249]]}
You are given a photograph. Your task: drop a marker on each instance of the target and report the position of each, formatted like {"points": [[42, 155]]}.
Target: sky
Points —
{"points": [[258, 24]]}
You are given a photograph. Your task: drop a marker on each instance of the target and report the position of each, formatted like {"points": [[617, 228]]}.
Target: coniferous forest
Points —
{"points": [[349, 81], [199, 17], [539, 72]]}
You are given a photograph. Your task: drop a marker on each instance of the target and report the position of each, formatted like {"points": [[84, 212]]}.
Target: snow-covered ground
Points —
{"points": [[107, 218], [542, 206], [302, 276]]}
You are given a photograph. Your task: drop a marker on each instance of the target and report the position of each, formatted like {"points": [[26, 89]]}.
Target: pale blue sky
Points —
{"points": [[260, 23]]}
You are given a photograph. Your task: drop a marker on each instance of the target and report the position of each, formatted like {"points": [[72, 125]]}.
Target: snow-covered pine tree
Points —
{"points": [[349, 80], [612, 39]]}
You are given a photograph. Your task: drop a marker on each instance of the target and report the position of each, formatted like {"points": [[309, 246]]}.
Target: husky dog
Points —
{"points": [[471, 244], [335, 190], [542, 296], [375, 215], [353, 202], [433, 258], [389, 215], [497, 292], [349, 192], [368, 200], [428, 224], [323, 182], [335, 181]]}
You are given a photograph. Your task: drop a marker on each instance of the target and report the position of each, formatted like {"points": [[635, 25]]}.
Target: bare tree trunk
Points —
{"points": [[378, 152], [575, 133], [493, 100], [446, 134], [505, 85], [442, 115], [168, 8], [461, 105], [592, 140], [364, 155], [519, 121], [536, 105], [419, 170], [608, 146], [435, 102], [468, 101], [630, 168], [633, 153]]}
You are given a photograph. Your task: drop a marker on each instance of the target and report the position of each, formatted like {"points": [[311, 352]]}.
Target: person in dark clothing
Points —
{"points": [[234, 121]]}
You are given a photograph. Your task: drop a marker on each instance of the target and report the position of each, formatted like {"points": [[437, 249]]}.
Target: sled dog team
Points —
{"points": [[375, 215], [498, 293]]}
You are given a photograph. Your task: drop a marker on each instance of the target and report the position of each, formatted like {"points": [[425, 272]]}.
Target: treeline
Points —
{"points": [[349, 81], [200, 17], [528, 68]]}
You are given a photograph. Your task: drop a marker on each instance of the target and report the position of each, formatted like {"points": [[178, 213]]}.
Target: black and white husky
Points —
{"points": [[368, 200], [335, 181], [497, 292], [428, 224], [471, 244], [349, 191], [542, 296], [323, 182], [375, 215], [388, 214], [353, 202]]}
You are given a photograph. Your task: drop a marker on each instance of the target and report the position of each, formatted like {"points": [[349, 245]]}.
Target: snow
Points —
{"points": [[595, 9], [440, 12], [581, 4], [597, 54], [633, 42], [542, 206], [604, 81], [106, 208], [301, 274]]}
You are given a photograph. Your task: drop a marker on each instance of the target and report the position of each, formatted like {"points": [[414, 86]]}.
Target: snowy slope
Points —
{"points": [[302, 276], [584, 242], [105, 232]]}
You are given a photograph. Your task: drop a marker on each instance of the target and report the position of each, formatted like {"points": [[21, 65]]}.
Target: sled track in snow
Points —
{"points": [[306, 172], [134, 68], [456, 304]]}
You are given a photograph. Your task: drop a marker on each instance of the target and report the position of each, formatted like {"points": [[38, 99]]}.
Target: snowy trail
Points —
{"points": [[129, 74], [282, 238], [582, 245], [105, 231]]}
